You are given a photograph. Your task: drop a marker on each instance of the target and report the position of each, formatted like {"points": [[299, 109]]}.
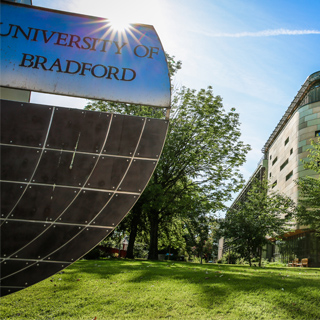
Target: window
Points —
{"points": [[275, 160], [270, 175], [270, 157], [286, 142], [284, 164], [317, 133], [288, 176], [291, 151], [274, 184]]}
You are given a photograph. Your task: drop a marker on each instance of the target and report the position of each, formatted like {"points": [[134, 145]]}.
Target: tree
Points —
{"points": [[136, 220], [172, 236], [200, 234], [252, 220], [309, 199], [133, 224], [197, 221], [202, 149]]}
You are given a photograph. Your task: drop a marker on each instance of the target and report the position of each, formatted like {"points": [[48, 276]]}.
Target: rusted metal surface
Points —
{"points": [[68, 177]]}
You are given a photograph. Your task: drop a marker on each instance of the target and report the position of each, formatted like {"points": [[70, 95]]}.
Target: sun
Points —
{"points": [[119, 24]]}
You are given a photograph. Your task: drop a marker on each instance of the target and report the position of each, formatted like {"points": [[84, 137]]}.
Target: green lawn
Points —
{"points": [[127, 289]]}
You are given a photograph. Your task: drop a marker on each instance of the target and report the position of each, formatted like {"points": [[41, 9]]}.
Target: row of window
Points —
{"points": [[316, 134], [285, 143], [284, 164], [288, 176], [276, 158]]}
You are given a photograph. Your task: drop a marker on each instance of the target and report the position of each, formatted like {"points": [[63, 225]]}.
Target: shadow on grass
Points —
{"points": [[295, 291]]}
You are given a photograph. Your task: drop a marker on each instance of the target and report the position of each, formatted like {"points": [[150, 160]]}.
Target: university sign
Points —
{"points": [[69, 176], [69, 54]]}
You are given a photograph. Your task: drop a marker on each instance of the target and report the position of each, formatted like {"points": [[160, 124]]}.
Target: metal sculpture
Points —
{"points": [[68, 177]]}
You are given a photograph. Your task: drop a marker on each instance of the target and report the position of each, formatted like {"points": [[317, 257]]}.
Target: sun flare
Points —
{"points": [[119, 24]]}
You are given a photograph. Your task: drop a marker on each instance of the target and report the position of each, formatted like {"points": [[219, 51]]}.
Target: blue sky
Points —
{"points": [[255, 54]]}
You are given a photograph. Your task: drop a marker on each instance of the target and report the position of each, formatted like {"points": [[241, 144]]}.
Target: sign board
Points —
{"points": [[76, 55]]}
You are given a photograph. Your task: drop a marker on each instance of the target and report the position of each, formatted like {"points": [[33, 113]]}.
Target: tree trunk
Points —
{"points": [[132, 238], [135, 221], [154, 227], [249, 255], [260, 256]]}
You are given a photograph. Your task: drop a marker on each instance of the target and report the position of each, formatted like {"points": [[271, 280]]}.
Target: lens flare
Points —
{"points": [[119, 24]]}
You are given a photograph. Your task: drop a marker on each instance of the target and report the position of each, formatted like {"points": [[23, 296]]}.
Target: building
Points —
{"points": [[282, 154]]}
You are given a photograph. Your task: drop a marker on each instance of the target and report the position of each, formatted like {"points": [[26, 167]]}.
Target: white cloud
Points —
{"points": [[265, 33]]}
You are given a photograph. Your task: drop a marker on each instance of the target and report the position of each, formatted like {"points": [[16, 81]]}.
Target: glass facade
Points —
{"points": [[292, 135], [303, 245], [22, 1], [313, 95]]}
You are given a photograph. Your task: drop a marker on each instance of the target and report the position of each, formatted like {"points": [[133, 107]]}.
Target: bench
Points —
{"points": [[294, 263], [303, 263]]}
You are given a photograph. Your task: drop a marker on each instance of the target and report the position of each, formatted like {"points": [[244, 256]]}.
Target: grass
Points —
{"points": [[128, 289]]}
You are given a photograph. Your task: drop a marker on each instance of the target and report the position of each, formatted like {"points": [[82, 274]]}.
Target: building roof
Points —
{"points": [[314, 77], [258, 174]]}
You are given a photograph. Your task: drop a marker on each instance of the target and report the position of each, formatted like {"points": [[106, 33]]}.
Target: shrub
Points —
{"points": [[93, 254], [242, 261], [140, 251], [230, 257], [196, 259]]}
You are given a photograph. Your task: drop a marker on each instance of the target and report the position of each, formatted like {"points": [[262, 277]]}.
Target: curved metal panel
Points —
{"points": [[138, 175], [16, 234], [64, 168], [31, 275], [53, 238], [112, 168], [43, 203], [82, 211], [66, 188], [111, 214], [71, 251], [10, 193], [20, 127], [124, 135], [18, 163], [154, 131], [70, 129], [9, 267]]}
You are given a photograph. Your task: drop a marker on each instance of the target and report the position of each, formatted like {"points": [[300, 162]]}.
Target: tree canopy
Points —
{"points": [[309, 187], [257, 217], [200, 159]]}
